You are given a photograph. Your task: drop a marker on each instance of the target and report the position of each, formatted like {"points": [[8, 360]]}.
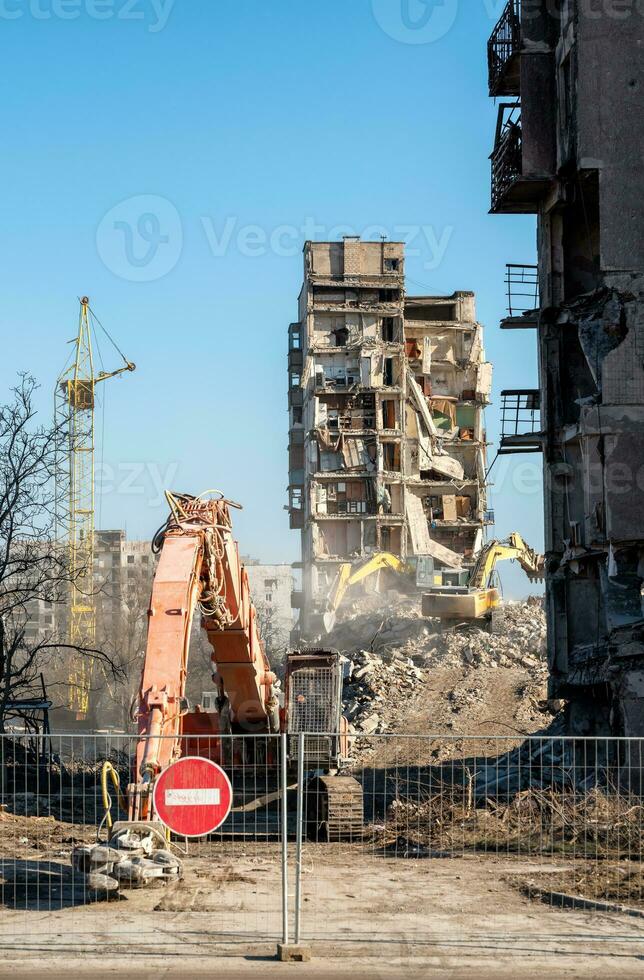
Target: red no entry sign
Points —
{"points": [[193, 796]]}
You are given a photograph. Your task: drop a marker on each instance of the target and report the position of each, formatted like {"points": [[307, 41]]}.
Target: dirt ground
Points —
{"points": [[388, 917]]}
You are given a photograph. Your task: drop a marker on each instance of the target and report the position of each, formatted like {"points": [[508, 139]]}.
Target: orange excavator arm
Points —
{"points": [[199, 568]]}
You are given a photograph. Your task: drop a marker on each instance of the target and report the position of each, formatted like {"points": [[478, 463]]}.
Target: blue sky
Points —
{"points": [[168, 159]]}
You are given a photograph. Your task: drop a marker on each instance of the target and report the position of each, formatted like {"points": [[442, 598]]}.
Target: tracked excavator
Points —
{"points": [[454, 594], [199, 569], [474, 598]]}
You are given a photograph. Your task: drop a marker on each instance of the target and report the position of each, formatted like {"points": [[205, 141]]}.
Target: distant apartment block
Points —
{"points": [[118, 564], [271, 587]]}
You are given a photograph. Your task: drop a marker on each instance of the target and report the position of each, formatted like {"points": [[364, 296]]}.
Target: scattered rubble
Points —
{"points": [[404, 674]]}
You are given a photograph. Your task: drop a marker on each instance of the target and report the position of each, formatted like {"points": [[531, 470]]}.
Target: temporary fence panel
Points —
{"points": [[234, 885], [457, 829]]}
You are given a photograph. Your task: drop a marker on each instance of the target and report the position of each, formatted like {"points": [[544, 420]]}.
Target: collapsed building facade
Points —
{"points": [[568, 148], [387, 447]]}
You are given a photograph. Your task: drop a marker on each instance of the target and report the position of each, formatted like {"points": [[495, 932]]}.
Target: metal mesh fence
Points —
{"points": [[466, 826], [416, 837], [52, 803]]}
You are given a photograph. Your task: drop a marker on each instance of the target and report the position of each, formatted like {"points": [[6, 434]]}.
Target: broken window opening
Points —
{"points": [[388, 372], [387, 329], [391, 456], [389, 414], [391, 265], [413, 349], [390, 539]]}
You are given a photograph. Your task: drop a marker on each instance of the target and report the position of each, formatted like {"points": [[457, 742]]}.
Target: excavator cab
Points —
{"points": [[313, 705], [333, 801]]}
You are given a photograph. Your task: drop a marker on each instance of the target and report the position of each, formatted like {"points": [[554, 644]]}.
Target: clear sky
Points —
{"points": [[169, 159]]}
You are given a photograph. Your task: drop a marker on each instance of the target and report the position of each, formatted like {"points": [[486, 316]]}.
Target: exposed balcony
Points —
{"points": [[522, 291], [295, 361], [513, 191], [503, 52], [520, 421], [296, 506]]}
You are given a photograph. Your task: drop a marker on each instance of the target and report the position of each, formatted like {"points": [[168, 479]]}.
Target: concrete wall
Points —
{"points": [[581, 82]]}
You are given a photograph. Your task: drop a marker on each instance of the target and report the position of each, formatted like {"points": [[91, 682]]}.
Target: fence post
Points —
{"points": [[286, 951], [298, 836], [284, 781]]}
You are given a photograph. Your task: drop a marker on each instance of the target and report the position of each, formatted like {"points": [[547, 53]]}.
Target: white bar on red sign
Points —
{"points": [[192, 797]]}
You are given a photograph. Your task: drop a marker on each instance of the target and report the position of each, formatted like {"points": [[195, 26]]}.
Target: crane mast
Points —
{"points": [[75, 492]]}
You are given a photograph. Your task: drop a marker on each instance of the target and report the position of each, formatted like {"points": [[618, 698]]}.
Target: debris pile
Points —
{"points": [[403, 673]]}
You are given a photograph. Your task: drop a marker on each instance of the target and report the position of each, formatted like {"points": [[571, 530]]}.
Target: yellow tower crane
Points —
{"points": [[74, 404]]}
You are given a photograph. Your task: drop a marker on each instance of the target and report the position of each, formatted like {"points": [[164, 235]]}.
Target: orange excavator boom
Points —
{"points": [[199, 568]]}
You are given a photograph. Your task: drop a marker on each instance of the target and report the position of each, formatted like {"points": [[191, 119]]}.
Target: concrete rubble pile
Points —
{"points": [[403, 652]]}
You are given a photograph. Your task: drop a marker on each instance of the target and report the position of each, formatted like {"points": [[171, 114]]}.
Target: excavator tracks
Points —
{"points": [[334, 809]]}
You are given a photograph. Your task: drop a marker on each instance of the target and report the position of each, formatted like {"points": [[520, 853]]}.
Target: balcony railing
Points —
{"points": [[522, 288], [503, 50], [520, 421], [506, 162], [514, 191]]}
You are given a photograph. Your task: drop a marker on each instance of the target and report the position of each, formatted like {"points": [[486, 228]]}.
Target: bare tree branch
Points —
{"points": [[33, 566]]}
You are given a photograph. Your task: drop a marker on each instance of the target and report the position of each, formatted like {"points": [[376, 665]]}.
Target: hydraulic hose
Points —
{"points": [[109, 770]]}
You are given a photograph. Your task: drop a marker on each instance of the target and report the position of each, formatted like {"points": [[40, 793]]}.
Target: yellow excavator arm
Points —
{"points": [[349, 575], [513, 548]]}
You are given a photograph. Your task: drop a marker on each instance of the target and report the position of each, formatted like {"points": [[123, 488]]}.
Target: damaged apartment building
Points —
{"points": [[568, 148], [387, 446]]}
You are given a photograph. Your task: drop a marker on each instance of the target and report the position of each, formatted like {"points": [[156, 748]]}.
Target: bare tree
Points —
{"points": [[275, 638], [32, 566], [122, 633]]}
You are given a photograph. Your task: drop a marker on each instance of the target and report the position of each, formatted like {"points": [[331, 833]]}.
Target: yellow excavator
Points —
{"points": [[454, 595], [476, 598], [349, 575]]}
